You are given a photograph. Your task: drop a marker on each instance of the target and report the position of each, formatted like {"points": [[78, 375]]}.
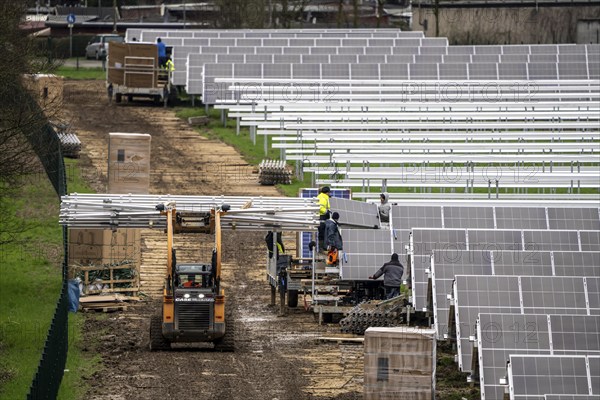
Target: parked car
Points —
{"points": [[98, 46]]}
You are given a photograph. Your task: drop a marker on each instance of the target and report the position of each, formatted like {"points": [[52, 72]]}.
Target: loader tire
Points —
{"points": [[227, 342], [292, 298], [157, 340]]}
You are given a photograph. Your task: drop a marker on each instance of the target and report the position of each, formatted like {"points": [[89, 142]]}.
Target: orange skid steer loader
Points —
{"points": [[193, 306]]}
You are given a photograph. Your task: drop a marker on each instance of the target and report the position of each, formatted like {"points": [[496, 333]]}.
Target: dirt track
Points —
{"points": [[277, 357]]}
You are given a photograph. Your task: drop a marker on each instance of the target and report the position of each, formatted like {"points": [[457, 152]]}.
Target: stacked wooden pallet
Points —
{"points": [[272, 172], [106, 303]]}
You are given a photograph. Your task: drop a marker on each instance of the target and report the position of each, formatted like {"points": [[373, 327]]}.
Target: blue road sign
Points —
{"points": [[71, 18]]}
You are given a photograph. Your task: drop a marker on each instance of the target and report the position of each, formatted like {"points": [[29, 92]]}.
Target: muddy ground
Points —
{"points": [[277, 357]]}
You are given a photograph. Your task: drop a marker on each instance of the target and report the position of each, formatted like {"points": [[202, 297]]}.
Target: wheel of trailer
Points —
{"points": [[292, 298], [157, 340], [118, 98], [227, 342]]}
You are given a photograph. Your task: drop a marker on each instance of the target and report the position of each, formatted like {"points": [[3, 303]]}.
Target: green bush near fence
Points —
{"points": [[59, 47]]}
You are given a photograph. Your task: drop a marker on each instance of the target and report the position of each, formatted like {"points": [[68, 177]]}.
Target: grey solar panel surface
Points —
{"points": [[446, 264], [570, 397], [468, 217], [516, 295], [365, 251], [424, 242], [574, 218], [500, 335], [590, 240], [533, 376], [520, 218], [356, 213]]}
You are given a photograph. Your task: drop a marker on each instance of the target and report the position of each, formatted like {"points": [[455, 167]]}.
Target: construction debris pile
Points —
{"points": [[388, 313], [273, 172]]}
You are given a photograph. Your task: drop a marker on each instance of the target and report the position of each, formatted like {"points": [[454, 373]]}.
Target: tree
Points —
{"points": [[21, 118]]}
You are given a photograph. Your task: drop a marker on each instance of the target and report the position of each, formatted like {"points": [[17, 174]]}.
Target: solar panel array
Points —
{"points": [[499, 335], [474, 294], [531, 377]]}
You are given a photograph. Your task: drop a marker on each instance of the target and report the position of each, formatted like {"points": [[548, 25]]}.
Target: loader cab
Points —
{"points": [[194, 276]]}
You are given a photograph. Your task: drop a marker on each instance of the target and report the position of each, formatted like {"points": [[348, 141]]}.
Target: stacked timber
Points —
{"points": [[106, 303], [399, 363], [273, 172]]}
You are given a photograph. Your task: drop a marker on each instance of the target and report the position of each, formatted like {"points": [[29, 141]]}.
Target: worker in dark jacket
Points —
{"points": [[392, 280], [279, 242], [333, 238]]}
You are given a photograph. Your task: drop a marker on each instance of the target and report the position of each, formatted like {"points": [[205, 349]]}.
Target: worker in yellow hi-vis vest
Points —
{"points": [[324, 214]]}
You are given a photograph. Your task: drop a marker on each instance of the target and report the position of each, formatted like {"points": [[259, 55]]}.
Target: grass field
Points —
{"points": [[81, 73], [30, 282]]}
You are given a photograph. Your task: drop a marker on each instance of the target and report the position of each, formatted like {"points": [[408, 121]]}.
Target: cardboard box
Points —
{"points": [[129, 163], [399, 363]]}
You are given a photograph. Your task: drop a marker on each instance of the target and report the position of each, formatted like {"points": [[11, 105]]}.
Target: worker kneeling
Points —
{"points": [[392, 280]]}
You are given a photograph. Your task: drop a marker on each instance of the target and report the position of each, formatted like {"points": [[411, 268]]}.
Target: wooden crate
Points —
{"points": [[399, 363], [112, 282]]}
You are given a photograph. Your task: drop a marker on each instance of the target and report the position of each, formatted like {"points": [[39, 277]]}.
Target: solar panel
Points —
{"points": [[590, 240], [365, 251], [538, 375], [512, 71], [356, 213], [570, 397], [468, 217], [520, 218], [494, 239], [424, 242], [445, 265], [393, 71], [576, 263], [515, 295], [423, 71], [453, 71], [500, 335], [574, 218], [483, 71], [542, 70], [551, 240], [407, 217]]}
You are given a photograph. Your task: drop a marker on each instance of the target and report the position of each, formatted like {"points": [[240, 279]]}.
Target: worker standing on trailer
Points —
{"points": [[169, 66], [162, 52], [392, 280], [279, 242], [324, 213], [333, 239], [384, 208]]}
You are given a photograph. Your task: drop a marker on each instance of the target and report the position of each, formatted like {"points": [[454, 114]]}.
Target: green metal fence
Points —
{"points": [[48, 376]]}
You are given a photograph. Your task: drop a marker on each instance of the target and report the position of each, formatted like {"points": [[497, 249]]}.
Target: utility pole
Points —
{"points": [[114, 16]]}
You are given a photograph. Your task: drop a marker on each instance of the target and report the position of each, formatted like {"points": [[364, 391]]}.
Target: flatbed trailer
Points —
{"points": [[133, 71]]}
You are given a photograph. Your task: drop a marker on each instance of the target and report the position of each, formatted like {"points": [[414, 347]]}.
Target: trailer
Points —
{"points": [[133, 71]]}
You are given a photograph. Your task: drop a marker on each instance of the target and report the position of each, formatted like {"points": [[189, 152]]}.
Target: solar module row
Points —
{"points": [[501, 335], [475, 294]]}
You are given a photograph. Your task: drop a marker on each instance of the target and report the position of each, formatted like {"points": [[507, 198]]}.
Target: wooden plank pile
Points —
{"points": [[106, 303], [273, 172], [120, 277]]}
